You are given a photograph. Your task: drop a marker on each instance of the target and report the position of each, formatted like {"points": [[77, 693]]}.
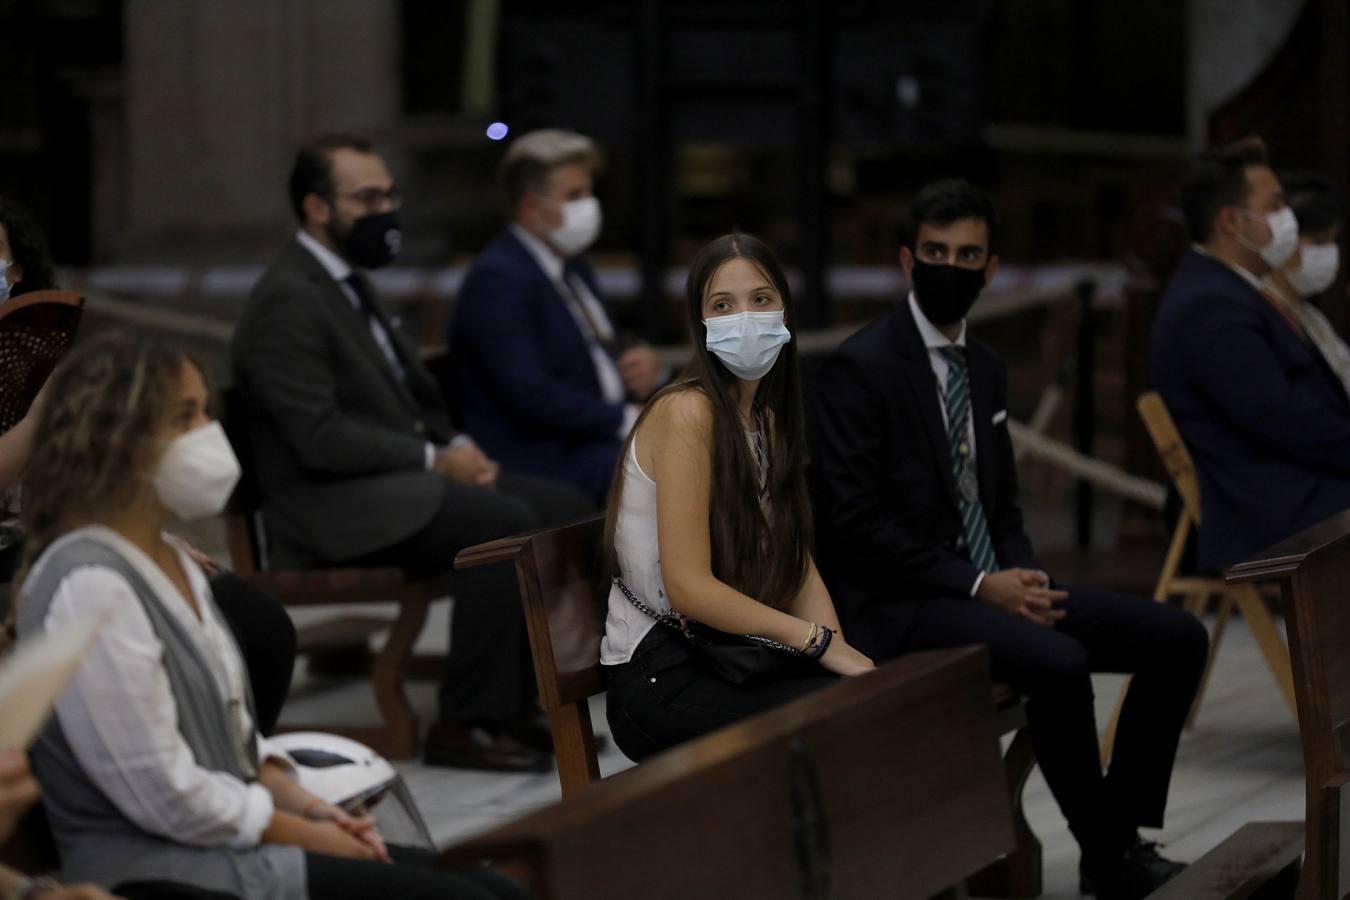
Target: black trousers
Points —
{"points": [[266, 638], [665, 695], [166, 890], [1163, 647], [488, 678], [413, 876]]}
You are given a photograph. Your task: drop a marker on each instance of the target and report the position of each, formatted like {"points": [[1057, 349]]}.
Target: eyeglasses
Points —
{"points": [[373, 197]]}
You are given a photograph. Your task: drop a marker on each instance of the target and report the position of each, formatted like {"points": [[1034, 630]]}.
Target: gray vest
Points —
{"points": [[96, 841]]}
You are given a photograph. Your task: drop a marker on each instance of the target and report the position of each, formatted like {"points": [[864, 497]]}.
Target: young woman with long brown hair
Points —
{"points": [[710, 519], [152, 768]]}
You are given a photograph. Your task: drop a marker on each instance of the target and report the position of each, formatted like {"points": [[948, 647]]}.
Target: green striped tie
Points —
{"points": [[963, 464]]}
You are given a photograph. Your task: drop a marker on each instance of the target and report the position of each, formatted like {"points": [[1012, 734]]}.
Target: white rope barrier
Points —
{"points": [[1028, 439], [1111, 478]]}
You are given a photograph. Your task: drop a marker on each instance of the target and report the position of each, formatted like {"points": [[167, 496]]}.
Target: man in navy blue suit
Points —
{"points": [[1263, 415], [546, 386]]}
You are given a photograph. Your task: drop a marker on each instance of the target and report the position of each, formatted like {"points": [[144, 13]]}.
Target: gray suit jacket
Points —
{"points": [[339, 440]]}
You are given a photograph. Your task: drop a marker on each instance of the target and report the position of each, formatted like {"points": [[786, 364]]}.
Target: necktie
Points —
{"points": [[957, 394], [600, 335], [364, 293], [383, 339]]}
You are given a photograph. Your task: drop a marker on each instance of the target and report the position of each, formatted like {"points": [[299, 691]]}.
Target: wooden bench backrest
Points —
{"points": [[1312, 569], [1172, 450], [566, 592], [889, 785], [565, 589]]}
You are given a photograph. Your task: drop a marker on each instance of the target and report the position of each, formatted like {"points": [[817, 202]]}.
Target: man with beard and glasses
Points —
{"points": [[922, 545], [358, 464]]}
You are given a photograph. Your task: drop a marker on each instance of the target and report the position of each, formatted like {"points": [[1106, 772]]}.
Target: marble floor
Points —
{"points": [[1240, 763]]}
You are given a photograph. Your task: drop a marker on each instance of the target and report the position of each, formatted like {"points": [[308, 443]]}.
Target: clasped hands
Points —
{"points": [[1023, 592], [357, 835], [466, 463]]}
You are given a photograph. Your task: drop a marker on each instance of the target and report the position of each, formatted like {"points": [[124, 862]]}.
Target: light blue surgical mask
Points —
{"points": [[747, 343], [4, 279]]}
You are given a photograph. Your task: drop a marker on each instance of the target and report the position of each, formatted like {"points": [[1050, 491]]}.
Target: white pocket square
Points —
{"points": [[1000, 416]]}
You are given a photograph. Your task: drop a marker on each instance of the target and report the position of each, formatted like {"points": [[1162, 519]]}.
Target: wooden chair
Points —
{"points": [[1311, 570], [888, 785], [564, 586], [1196, 589], [36, 330], [397, 736]]}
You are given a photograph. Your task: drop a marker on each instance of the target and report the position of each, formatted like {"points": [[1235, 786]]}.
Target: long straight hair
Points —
{"points": [[762, 556]]}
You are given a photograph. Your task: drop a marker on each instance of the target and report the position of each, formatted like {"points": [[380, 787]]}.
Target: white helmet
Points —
{"points": [[349, 774]]}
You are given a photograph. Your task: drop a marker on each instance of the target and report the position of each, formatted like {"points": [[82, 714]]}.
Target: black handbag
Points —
{"points": [[734, 658]]}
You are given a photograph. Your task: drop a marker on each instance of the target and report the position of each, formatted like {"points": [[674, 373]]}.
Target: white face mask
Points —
{"points": [[1316, 270], [1283, 237], [747, 343], [580, 226], [197, 473]]}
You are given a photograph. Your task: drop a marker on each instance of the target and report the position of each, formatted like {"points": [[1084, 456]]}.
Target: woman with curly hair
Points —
{"points": [[260, 625], [152, 768]]}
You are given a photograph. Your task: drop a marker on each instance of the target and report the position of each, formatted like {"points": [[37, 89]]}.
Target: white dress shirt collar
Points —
{"points": [[933, 339], [1246, 276], [543, 254], [334, 265]]}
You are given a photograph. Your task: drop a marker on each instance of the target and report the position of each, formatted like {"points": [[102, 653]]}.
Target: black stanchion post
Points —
{"points": [[1085, 403], [652, 171]]}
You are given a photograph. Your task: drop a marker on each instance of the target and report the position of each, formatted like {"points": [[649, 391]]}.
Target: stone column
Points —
{"points": [[218, 95], [1231, 42]]}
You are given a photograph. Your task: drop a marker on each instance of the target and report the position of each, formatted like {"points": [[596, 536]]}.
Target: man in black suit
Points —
{"points": [[922, 545], [357, 461]]}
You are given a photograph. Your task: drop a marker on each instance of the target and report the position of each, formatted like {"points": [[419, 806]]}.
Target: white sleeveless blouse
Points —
{"points": [[637, 546]]}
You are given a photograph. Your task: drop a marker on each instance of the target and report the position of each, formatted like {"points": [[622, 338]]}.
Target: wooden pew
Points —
{"points": [[888, 785], [1311, 570], [564, 587]]}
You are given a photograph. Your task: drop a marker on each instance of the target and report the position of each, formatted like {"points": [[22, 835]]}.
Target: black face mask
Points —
{"points": [[946, 293], [372, 241]]}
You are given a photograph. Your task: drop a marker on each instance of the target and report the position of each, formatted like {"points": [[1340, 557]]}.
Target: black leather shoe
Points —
{"points": [[472, 747], [1139, 871]]}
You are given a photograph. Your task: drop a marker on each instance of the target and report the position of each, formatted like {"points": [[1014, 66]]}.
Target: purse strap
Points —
{"points": [[671, 620]]}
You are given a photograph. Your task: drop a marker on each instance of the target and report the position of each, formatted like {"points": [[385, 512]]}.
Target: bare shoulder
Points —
{"points": [[681, 409]]}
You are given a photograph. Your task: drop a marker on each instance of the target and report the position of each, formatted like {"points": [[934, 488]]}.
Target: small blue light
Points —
{"points": [[497, 130]]}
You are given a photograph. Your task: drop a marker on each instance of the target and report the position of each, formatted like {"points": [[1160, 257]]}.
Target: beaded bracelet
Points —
{"points": [[810, 637], [826, 635]]}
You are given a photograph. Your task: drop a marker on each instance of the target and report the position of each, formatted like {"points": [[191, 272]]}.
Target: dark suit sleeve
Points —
{"points": [[849, 454], [493, 308], [288, 374], [1234, 368], [1011, 544]]}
